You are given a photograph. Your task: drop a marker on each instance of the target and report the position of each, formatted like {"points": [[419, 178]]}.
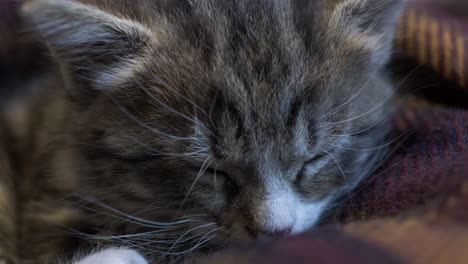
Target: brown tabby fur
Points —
{"points": [[260, 87]]}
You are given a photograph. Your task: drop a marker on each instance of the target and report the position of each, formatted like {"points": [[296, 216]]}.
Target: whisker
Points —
{"points": [[191, 230], [155, 152], [161, 81], [178, 253], [215, 176], [337, 164], [357, 93], [384, 119], [137, 246], [212, 231], [363, 130], [199, 244], [112, 237], [145, 90], [210, 114], [377, 106], [115, 216], [202, 170], [382, 162], [142, 124], [149, 241], [137, 219], [376, 148]]}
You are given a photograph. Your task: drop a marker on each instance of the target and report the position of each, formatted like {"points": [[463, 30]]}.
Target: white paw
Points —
{"points": [[114, 256]]}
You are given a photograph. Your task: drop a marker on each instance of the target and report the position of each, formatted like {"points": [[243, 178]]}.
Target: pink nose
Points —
{"points": [[270, 235]]}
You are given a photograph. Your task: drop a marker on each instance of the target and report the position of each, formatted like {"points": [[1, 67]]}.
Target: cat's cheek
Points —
{"points": [[114, 256], [308, 215]]}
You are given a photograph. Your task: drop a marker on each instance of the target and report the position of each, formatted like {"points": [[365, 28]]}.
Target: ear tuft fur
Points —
{"points": [[375, 15], [371, 21], [93, 44]]}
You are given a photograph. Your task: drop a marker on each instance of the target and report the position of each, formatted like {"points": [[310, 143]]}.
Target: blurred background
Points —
{"points": [[21, 60], [433, 38]]}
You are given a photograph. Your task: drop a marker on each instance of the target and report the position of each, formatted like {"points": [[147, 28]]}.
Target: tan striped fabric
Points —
{"points": [[434, 40]]}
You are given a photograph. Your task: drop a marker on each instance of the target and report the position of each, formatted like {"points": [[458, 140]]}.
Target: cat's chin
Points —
{"points": [[113, 256]]}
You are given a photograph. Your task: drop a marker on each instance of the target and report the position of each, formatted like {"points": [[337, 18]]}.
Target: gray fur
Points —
{"points": [[230, 114]]}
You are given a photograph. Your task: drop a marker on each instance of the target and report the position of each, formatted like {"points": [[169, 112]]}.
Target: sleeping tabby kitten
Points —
{"points": [[186, 126]]}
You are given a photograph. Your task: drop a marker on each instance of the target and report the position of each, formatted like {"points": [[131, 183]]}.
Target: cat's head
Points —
{"points": [[247, 117]]}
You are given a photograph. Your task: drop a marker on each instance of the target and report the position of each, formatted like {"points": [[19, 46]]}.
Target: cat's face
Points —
{"points": [[242, 119]]}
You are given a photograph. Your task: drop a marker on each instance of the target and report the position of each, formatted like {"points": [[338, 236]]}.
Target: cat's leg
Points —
{"points": [[113, 256]]}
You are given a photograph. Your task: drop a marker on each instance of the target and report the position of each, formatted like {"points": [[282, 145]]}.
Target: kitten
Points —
{"points": [[189, 126]]}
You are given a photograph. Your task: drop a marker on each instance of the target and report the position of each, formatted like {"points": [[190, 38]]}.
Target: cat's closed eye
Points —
{"points": [[314, 164], [311, 168], [216, 179], [315, 159]]}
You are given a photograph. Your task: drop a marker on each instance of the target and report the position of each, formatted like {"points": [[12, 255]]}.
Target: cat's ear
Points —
{"points": [[373, 22], [96, 47]]}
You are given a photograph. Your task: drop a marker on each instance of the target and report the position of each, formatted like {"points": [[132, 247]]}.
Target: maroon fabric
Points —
{"points": [[321, 246], [324, 247], [431, 164]]}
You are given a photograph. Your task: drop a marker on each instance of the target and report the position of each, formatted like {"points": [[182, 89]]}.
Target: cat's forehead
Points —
{"points": [[260, 64], [257, 52]]}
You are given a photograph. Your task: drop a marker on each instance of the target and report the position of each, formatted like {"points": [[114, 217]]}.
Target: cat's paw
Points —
{"points": [[114, 256]]}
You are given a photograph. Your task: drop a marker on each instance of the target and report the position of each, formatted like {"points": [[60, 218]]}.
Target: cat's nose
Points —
{"points": [[262, 235]]}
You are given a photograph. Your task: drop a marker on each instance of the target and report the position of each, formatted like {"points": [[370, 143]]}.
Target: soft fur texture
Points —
{"points": [[188, 126]]}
